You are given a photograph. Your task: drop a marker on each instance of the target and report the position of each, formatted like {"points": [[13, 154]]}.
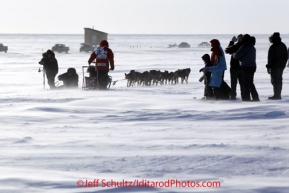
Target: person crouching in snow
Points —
{"points": [[50, 65], [208, 92], [218, 68], [104, 58], [70, 79]]}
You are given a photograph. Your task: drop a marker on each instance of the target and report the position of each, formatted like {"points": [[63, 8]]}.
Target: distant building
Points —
{"points": [[93, 37]]}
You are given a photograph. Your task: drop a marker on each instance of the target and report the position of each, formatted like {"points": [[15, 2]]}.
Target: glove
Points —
{"points": [[89, 63], [111, 69], [234, 39], [228, 51], [204, 70], [269, 70]]}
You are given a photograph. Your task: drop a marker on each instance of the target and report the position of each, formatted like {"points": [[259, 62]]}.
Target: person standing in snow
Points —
{"points": [[217, 70], [104, 58], [277, 59], [208, 93], [236, 71], [247, 57], [50, 65]]}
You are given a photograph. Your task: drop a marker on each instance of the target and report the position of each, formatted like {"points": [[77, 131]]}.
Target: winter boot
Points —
{"points": [[277, 92], [275, 98]]}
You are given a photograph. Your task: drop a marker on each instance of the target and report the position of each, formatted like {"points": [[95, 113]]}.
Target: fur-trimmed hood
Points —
{"points": [[275, 38]]}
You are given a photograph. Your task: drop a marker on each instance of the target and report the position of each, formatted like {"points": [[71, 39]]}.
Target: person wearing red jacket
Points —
{"points": [[104, 58]]}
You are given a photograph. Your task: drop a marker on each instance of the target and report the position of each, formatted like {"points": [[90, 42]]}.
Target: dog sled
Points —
{"points": [[92, 82]]}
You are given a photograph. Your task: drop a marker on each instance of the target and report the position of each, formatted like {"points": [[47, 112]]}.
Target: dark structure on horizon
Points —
{"points": [[204, 45], [94, 37], [184, 45]]}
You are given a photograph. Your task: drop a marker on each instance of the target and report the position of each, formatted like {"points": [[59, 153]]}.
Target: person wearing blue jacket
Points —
{"points": [[217, 71], [247, 57]]}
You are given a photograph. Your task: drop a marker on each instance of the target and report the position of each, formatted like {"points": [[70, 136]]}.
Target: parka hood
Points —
{"points": [[206, 58], [275, 38], [104, 43], [51, 53], [71, 71], [215, 43], [215, 48]]}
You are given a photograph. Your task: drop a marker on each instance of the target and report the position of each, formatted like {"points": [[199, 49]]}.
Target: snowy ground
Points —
{"points": [[52, 139]]}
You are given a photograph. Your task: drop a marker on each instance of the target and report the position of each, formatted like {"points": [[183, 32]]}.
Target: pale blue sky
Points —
{"points": [[145, 16]]}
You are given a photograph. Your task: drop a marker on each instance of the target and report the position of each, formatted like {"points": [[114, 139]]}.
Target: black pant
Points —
{"points": [[236, 76], [208, 91], [249, 87], [102, 79], [213, 92], [51, 78], [277, 80]]}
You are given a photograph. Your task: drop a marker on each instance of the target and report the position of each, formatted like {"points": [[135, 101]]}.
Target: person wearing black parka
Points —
{"points": [[277, 59]]}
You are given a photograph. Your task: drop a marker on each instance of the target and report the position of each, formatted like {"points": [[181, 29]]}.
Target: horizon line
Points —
{"points": [[126, 34]]}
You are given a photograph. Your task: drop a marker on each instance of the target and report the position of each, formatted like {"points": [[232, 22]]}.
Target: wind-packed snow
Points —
{"points": [[52, 139]]}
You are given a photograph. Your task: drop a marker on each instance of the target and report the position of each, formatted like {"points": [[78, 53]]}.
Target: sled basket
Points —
{"points": [[91, 83]]}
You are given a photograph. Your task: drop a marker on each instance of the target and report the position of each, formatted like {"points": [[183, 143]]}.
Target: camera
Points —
{"points": [[234, 48]]}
